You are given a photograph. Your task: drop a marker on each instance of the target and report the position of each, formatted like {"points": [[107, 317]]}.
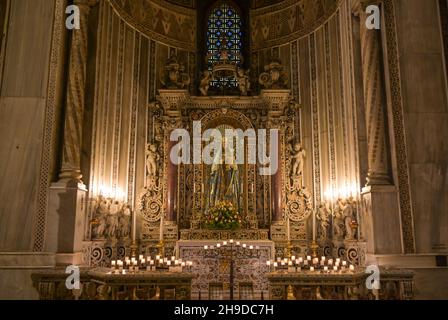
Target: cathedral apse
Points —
{"points": [[225, 150]]}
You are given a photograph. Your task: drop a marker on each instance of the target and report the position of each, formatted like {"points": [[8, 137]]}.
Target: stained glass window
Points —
{"points": [[224, 31]]}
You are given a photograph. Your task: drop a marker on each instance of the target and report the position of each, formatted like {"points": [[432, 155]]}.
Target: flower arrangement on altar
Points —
{"points": [[223, 216]]}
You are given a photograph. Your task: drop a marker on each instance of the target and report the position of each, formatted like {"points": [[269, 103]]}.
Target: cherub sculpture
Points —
{"points": [[205, 82], [151, 160], [298, 157], [243, 81]]}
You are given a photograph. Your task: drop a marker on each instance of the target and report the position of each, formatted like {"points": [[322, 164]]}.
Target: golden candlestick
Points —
{"points": [[161, 248], [134, 248], [289, 250], [314, 248]]}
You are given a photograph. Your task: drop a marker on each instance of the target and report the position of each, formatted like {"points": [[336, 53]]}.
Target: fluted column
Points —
{"points": [[375, 102], [75, 101]]}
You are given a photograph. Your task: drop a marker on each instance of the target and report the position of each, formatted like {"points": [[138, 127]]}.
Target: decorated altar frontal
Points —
{"points": [[213, 274]]}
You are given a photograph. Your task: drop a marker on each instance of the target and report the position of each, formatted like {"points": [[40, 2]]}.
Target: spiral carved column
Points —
{"points": [[74, 113], [375, 103]]}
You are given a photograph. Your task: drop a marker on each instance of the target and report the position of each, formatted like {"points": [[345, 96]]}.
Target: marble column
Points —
{"points": [[172, 187], [75, 101], [375, 101], [276, 102], [380, 209], [68, 197]]}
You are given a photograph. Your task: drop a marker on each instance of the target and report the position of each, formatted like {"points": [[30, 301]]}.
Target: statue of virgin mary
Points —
{"points": [[224, 180]]}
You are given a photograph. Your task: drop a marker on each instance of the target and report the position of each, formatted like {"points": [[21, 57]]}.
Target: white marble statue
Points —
{"points": [[125, 222], [207, 77], [323, 215], [338, 220], [348, 215], [243, 81], [298, 157], [112, 219], [151, 160]]}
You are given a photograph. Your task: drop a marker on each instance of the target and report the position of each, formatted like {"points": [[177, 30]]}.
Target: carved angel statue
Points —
{"points": [[151, 160], [243, 81], [99, 219], [298, 157], [207, 77], [338, 220], [323, 215], [112, 219], [125, 222], [349, 218]]}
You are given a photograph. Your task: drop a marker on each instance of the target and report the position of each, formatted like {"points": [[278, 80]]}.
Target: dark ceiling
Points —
{"points": [[254, 4]]}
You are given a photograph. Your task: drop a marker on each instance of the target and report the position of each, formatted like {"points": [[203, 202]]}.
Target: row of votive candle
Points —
{"points": [[132, 264], [231, 243], [313, 264]]}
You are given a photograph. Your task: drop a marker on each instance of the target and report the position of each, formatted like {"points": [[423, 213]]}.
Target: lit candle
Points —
{"points": [[275, 264], [160, 261], [224, 243], [168, 263], [338, 260], [173, 258], [244, 245], [151, 262], [140, 257], [157, 257], [330, 262], [326, 269], [231, 241], [293, 258], [251, 248], [218, 245], [176, 262], [305, 263], [238, 243], [114, 263], [268, 263], [290, 263], [323, 258], [335, 268], [312, 269], [183, 264], [205, 247], [308, 258], [300, 260], [344, 263], [352, 268]]}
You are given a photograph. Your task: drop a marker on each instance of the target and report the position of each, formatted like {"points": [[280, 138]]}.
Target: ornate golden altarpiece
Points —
{"points": [[171, 206]]}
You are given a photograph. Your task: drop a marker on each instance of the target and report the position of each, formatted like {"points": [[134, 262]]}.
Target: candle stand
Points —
{"points": [[231, 250]]}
